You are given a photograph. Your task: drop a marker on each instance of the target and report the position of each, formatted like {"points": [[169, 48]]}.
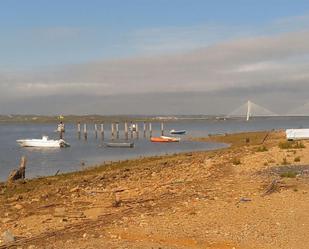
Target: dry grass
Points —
{"points": [[285, 161], [261, 149], [289, 174], [291, 145], [297, 159], [260, 138]]}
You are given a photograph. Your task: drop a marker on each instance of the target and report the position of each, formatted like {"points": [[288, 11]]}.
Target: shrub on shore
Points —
{"points": [[297, 159], [291, 145], [285, 161], [289, 174], [261, 149], [236, 161]]}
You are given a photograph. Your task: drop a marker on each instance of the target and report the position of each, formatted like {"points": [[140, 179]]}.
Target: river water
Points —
{"points": [[83, 153]]}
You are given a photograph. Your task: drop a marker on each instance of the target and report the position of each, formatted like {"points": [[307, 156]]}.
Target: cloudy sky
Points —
{"points": [[153, 56]]}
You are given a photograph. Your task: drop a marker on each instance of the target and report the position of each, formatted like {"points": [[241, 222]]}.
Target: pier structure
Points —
{"points": [[96, 131], [131, 131], [126, 134], [102, 131], [85, 131], [144, 128], [78, 130]]}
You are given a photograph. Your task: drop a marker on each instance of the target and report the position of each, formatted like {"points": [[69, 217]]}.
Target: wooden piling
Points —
{"points": [[162, 129], [150, 129], [136, 127], [126, 131], [96, 131], [78, 130], [144, 128], [20, 172], [112, 130], [61, 130], [102, 131], [117, 130], [85, 131], [131, 127], [22, 166]]}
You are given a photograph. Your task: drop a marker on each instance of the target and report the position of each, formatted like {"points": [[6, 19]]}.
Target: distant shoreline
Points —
{"points": [[99, 118], [120, 118]]}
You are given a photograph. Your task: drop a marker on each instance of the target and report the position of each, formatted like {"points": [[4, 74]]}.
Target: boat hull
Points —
{"points": [[297, 134], [42, 143], [180, 132], [164, 139], [120, 145]]}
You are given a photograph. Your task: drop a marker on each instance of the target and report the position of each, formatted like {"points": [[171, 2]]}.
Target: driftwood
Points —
{"points": [[265, 137], [117, 202], [19, 173], [271, 188]]}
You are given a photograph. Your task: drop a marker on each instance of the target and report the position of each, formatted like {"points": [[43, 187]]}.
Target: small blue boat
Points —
{"points": [[178, 132]]}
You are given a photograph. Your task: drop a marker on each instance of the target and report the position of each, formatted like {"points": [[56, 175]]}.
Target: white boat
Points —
{"points": [[43, 143], [297, 134]]}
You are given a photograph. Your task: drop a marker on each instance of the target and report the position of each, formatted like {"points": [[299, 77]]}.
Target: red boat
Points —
{"points": [[164, 139]]}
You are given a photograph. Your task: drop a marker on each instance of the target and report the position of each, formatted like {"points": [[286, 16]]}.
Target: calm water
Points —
{"points": [[90, 152]]}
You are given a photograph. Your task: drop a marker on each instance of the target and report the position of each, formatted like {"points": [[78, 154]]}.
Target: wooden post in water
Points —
{"points": [[61, 129], [117, 130], [78, 130], [102, 131], [60, 134], [150, 129], [20, 172], [113, 131], [131, 127], [126, 130], [144, 129], [162, 129], [136, 126], [95, 131], [85, 131]]}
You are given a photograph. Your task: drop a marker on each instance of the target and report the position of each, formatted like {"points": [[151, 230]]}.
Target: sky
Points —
{"points": [[153, 56]]}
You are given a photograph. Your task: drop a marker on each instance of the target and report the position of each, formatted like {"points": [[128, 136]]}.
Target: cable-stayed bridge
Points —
{"points": [[250, 109]]}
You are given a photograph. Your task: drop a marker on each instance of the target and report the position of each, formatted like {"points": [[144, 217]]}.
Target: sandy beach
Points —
{"points": [[252, 195]]}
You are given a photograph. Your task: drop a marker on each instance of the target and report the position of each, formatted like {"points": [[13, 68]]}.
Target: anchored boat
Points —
{"points": [[165, 139], [43, 143], [120, 144], [297, 134], [178, 132]]}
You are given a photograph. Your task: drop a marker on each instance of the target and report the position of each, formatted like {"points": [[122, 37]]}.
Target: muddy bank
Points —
{"points": [[216, 199]]}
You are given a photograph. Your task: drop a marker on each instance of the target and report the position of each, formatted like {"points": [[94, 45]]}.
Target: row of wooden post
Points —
{"points": [[115, 130]]}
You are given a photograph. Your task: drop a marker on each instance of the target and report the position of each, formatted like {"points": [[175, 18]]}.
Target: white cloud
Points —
{"points": [[259, 63], [257, 67], [243, 62]]}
